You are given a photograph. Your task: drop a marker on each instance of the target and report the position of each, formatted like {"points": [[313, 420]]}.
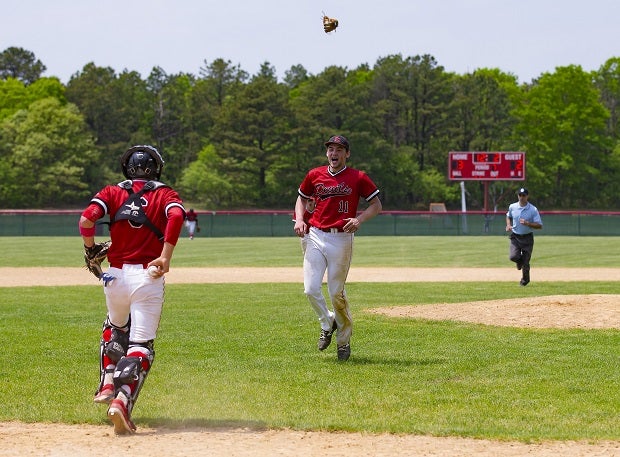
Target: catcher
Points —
{"points": [[146, 217]]}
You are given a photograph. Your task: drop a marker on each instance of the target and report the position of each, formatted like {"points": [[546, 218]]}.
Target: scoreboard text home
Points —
{"points": [[486, 166]]}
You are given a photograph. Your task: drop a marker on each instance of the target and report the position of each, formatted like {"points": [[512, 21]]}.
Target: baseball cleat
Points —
{"points": [[325, 338], [105, 395], [117, 413], [519, 264], [344, 352], [525, 279]]}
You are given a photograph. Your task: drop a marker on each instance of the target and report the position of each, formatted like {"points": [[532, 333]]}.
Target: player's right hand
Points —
{"points": [[300, 228]]}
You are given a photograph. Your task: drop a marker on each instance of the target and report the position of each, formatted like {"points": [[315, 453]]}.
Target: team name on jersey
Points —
{"points": [[323, 192]]}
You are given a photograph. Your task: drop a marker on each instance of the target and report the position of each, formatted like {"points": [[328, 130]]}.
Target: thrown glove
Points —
{"points": [[94, 255], [329, 23]]}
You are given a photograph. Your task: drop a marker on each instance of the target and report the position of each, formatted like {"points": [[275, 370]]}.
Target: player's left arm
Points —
{"points": [[353, 223], [163, 261], [176, 216]]}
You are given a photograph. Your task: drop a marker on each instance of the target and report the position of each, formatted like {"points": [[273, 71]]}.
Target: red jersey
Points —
{"points": [[337, 195], [191, 216], [133, 243]]}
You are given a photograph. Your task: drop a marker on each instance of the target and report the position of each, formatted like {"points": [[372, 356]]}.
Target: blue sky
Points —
{"points": [[522, 37]]}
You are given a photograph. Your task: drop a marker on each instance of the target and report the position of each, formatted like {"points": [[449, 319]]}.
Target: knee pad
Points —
{"points": [[146, 351], [114, 340]]}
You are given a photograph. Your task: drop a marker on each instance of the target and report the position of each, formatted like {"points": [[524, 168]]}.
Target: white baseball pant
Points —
{"points": [[331, 252]]}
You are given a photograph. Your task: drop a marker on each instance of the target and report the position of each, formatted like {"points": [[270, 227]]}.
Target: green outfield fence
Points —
{"points": [[266, 223]]}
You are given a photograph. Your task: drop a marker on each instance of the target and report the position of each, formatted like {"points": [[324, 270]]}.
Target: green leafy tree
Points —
{"points": [[481, 110], [607, 80], [16, 95], [410, 97], [115, 108], [562, 128], [171, 120], [320, 104], [47, 154], [20, 64], [218, 80], [251, 136], [481, 118], [295, 75], [222, 78], [202, 181], [203, 99]]}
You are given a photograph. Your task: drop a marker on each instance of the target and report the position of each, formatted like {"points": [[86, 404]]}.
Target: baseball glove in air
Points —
{"points": [[94, 255], [329, 23]]}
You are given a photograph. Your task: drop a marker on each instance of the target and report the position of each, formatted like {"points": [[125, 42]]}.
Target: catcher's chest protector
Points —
{"points": [[132, 210]]}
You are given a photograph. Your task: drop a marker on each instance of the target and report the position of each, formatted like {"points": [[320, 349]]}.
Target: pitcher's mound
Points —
{"points": [[595, 311]]}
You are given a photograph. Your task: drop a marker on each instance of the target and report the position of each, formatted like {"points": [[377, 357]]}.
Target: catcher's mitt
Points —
{"points": [[329, 23], [94, 255]]}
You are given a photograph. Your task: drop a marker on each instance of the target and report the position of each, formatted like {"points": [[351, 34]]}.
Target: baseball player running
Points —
{"points": [[336, 190], [191, 223], [522, 219], [146, 217]]}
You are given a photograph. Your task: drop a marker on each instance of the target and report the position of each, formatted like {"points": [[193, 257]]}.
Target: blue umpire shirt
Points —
{"points": [[528, 212]]}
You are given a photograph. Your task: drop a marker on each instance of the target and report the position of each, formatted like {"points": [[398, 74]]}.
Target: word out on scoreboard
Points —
{"points": [[486, 166]]}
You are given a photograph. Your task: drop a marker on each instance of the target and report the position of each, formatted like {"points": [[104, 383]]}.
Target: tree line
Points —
{"points": [[232, 140]]}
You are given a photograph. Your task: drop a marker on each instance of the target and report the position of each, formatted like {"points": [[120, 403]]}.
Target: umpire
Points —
{"points": [[522, 219]]}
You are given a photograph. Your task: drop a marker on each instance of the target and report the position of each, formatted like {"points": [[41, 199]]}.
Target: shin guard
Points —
{"points": [[113, 345], [131, 371]]}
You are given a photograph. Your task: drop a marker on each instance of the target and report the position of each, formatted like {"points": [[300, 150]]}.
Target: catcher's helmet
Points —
{"points": [[142, 161]]}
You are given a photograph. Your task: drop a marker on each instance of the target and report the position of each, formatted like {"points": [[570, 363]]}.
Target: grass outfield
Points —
{"points": [[244, 355], [398, 251]]}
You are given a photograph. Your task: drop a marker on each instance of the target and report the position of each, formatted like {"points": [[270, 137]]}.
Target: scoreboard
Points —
{"points": [[486, 166]]}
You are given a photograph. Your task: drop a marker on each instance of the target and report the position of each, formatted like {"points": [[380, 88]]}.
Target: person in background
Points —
{"points": [[328, 233], [191, 222], [522, 219], [146, 217]]}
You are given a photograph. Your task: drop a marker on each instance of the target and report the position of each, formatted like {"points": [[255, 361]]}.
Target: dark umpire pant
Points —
{"points": [[521, 247]]}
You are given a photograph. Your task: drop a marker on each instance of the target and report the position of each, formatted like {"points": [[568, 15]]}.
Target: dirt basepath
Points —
{"points": [[46, 276], [89, 440], [583, 311]]}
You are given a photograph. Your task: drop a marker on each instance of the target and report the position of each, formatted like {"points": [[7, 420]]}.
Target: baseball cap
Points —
{"points": [[523, 190], [338, 139]]}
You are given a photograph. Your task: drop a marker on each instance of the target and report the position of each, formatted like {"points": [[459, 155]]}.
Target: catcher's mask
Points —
{"points": [[142, 162]]}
